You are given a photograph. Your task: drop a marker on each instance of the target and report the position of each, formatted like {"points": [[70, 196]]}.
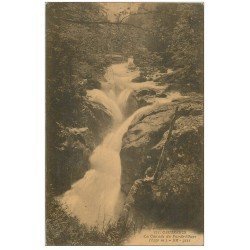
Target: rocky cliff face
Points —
{"points": [[177, 194], [97, 118], [131, 105], [72, 156]]}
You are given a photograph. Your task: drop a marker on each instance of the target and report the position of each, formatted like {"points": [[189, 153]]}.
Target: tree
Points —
{"points": [[187, 45]]}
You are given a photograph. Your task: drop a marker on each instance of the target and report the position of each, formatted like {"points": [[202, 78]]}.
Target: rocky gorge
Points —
{"points": [[124, 121], [146, 109]]}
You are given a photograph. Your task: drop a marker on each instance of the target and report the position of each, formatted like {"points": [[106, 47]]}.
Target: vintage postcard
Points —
{"points": [[124, 123]]}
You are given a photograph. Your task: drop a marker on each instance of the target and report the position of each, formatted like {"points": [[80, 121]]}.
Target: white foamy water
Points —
{"points": [[123, 98], [99, 96], [96, 198]]}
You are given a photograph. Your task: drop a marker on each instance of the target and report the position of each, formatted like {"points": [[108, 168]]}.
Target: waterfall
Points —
{"points": [[94, 199]]}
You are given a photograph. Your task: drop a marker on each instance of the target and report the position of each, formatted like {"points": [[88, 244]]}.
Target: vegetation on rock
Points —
{"points": [[177, 196]]}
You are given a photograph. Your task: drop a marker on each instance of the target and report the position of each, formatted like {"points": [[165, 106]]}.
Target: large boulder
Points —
{"points": [[139, 79], [73, 154], [97, 118], [179, 188], [144, 96], [131, 105], [93, 84], [143, 92]]}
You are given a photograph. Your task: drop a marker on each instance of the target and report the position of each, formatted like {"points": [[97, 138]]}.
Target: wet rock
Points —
{"points": [[143, 92], [92, 84], [72, 155], [139, 79], [144, 96], [131, 105], [181, 176], [143, 102], [148, 132], [97, 118]]}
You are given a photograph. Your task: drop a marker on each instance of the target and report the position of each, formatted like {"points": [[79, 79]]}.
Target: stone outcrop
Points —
{"points": [[178, 190], [72, 156], [97, 118], [146, 96], [131, 105]]}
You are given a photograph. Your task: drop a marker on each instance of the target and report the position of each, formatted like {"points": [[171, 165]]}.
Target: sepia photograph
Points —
{"points": [[124, 124]]}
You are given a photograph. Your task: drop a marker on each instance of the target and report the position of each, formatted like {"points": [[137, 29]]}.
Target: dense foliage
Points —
{"points": [[173, 38]]}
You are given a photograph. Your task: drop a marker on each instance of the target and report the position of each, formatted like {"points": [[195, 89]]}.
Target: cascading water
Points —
{"points": [[123, 98], [95, 198], [99, 96]]}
